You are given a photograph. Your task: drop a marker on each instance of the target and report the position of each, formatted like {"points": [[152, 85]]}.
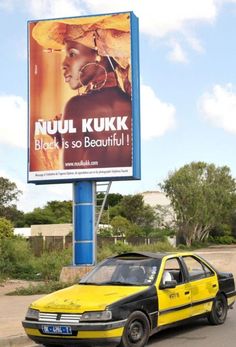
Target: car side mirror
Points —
{"points": [[168, 284]]}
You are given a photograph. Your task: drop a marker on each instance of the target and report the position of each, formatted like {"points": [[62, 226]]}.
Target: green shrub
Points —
{"points": [[103, 253], [162, 234], [199, 244], [112, 249], [156, 247], [16, 259], [224, 240], [182, 247], [119, 248], [49, 265], [6, 228]]}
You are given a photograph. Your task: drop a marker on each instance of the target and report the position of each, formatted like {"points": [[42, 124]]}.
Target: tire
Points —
{"points": [[136, 331], [219, 311]]}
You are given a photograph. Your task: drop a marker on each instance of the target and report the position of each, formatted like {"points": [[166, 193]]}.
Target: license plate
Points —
{"points": [[56, 329]]}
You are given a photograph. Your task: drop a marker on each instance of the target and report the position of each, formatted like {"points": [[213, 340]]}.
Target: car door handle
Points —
{"points": [[214, 285], [186, 293]]}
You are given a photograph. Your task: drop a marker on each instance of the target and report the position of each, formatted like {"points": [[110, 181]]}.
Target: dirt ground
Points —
{"points": [[11, 285]]}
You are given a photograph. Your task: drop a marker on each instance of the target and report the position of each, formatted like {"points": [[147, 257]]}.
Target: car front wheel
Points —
{"points": [[136, 331], [219, 310]]}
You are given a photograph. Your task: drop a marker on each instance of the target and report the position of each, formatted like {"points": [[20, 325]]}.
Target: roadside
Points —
{"points": [[11, 285], [223, 258], [13, 308], [12, 312]]}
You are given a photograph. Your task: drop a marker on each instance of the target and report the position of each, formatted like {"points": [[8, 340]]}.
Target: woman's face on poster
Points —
{"points": [[77, 56]]}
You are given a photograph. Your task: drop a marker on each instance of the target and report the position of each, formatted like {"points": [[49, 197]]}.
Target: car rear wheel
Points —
{"points": [[219, 310], [136, 331]]}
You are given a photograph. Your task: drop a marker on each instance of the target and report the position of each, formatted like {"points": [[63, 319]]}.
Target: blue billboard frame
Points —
{"points": [[136, 141]]}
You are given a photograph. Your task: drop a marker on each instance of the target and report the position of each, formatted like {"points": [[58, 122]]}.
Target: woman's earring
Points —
{"points": [[98, 58], [98, 82]]}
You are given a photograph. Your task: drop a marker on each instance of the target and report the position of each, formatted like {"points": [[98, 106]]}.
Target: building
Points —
{"points": [[154, 198]]}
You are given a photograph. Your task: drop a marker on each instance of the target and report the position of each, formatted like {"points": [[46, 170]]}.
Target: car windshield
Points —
{"points": [[123, 271]]}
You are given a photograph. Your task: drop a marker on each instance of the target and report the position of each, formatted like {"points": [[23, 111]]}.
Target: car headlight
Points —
{"points": [[96, 316], [32, 314]]}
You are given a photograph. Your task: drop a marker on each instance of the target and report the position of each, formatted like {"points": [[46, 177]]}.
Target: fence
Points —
{"points": [[39, 244]]}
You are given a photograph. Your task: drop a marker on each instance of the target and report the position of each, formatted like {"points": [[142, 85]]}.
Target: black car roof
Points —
{"points": [[142, 254]]}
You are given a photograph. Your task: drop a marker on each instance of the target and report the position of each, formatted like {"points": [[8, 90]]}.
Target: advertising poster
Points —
{"points": [[84, 99]]}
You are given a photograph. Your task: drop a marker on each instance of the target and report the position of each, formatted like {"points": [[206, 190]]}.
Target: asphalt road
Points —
{"points": [[196, 334], [200, 333]]}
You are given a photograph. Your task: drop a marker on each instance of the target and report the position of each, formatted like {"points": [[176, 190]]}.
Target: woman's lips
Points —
{"points": [[67, 78]]}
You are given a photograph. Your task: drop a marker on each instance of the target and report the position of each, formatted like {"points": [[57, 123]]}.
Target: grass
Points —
{"points": [[54, 261], [41, 288]]}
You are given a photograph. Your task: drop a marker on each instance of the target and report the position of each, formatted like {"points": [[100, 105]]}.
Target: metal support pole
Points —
{"points": [[84, 238]]}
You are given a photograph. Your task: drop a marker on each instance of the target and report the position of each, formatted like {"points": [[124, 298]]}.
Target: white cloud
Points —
{"points": [[158, 17], [157, 117], [63, 191], [194, 43], [54, 8], [6, 5], [20, 185], [219, 107], [177, 54], [161, 19], [37, 195], [14, 119]]}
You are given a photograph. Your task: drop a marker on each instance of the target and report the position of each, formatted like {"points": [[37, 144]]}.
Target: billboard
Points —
{"points": [[84, 120]]}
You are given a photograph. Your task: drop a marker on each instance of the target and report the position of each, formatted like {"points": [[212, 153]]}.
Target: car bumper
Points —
{"points": [[84, 334]]}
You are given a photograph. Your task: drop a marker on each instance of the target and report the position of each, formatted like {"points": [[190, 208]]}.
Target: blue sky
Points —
{"points": [[188, 86]]}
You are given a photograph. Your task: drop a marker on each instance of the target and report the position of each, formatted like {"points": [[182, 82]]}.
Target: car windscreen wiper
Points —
{"points": [[90, 283], [119, 283]]}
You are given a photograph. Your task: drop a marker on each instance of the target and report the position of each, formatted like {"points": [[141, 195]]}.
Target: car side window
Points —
{"points": [[196, 268], [173, 271]]}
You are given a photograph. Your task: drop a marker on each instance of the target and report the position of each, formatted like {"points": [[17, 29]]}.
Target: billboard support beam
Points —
{"points": [[84, 237]]}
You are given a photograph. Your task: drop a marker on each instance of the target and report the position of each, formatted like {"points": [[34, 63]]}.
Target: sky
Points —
{"points": [[188, 87]]}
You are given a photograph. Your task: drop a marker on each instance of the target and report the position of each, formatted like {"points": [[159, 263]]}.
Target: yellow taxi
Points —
{"points": [[129, 297]]}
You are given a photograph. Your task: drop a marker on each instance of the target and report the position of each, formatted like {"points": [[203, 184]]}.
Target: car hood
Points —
{"points": [[81, 298]]}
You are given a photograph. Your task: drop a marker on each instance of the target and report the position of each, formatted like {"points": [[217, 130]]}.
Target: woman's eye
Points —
{"points": [[73, 53]]}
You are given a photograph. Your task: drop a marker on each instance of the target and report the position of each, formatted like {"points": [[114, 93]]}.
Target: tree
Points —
{"points": [[134, 209], [55, 212], [141, 217], [6, 229], [165, 217], [202, 196], [60, 210], [14, 215], [8, 194], [131, 207], [120, 225], [38, 216], [233, 224], [113, 199], [146, 220]]}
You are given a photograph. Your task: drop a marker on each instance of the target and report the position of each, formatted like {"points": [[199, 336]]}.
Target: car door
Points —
{"points": [[174, 303], [203, 283]]}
